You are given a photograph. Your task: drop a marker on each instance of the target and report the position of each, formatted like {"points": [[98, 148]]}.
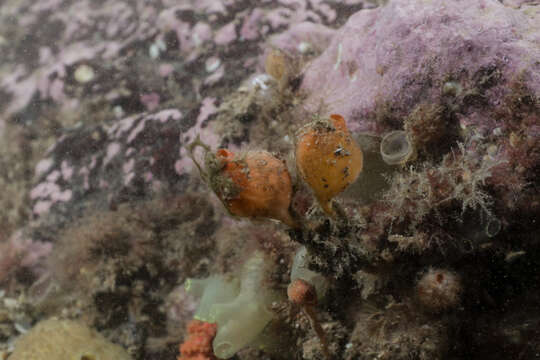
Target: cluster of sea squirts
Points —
{"points": [[257, 184]]}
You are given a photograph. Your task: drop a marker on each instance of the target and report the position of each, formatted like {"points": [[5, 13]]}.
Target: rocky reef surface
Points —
{"points": [[103, 215]]}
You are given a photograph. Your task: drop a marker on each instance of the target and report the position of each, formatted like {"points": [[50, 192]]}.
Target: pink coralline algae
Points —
{"points": [[135, 56], [134, 154], [447, 73], [97, 35], [102, 98], [20, 251], [402, 54]]}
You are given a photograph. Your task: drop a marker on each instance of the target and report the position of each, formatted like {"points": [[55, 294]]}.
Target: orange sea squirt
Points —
{"points": [[328, 158], [255, 185]]}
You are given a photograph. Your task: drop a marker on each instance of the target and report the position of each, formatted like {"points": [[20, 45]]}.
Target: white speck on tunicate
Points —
{"points": [[492, 150], [153, 51], [261, 81], [452, 88], [157, 48], [212, 64], [304, 47], [20, 328], [118, 112], [338, 60], [84, 74], [10, 303]]}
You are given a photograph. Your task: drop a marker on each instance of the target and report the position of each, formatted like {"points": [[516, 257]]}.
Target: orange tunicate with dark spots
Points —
{"points": [[254, 185], [328, 158]]}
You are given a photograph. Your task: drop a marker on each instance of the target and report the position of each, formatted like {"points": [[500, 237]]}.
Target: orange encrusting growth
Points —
{"points": [[260, 186], [304, 294], [198, 345], [328, 158]]}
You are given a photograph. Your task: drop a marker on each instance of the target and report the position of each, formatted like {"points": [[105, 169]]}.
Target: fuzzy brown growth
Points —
{"points": [[429, 129], [439, 290]]}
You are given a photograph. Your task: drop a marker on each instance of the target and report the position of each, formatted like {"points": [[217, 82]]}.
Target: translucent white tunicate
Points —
{"points": [[240, 305], [212, 64], [493, 227], [261, 81], [396, 148], [305, 47], [452, 88], [300, 271], [84, 74]]}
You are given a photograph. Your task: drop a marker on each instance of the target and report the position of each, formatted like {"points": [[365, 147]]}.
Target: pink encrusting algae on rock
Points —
{"points": [[99, 100], [390, 54]]}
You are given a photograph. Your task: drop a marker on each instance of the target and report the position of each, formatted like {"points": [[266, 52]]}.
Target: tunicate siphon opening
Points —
{"points": [[396, 147], [493, 227]]}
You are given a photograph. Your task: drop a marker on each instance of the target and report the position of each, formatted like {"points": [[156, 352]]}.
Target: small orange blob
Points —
{"points": [[328, 158], [301, 293]]}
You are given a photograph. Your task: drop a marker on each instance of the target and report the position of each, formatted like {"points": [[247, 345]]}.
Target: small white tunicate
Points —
{"points": [[10, 303], [261, 81], [492, 150], [157, 48], [452, 88], [118, 112], [493, 227], [497, 131], [304, 47], [20, 328], [153, 51], [84, 74], [212, 64], [396, 148], [338, 57]]}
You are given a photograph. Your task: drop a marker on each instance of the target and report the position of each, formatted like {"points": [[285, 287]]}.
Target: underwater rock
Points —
{"points": [[165, 72], [401, 54], [135, 155], [404, 66]]}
